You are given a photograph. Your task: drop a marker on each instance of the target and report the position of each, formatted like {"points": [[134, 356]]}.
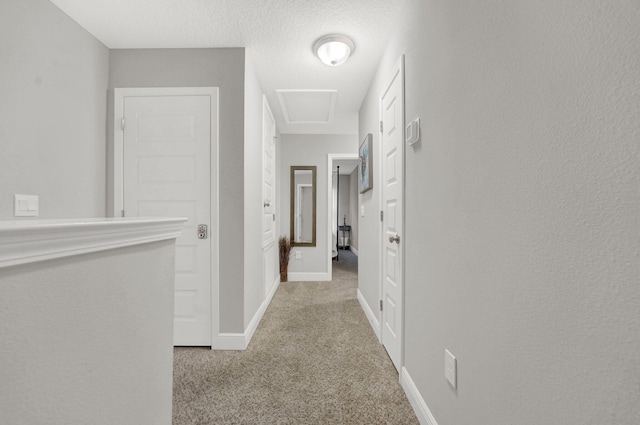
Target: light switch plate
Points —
{"points": [[298, 255], [26, 205], [361, 210], [412, 131], [450, 367]]}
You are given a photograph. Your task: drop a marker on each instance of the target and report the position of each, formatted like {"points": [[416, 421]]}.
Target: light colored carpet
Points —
{"points": [[314, 359]]}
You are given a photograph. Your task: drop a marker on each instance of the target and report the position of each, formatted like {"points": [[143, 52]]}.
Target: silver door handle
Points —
{"points": [[267, 203], [202, 231], [394, 238]]}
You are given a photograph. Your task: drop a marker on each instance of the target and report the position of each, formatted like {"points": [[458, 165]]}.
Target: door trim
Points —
{"points": [[330, 158], [398, 68], [118, 175]]}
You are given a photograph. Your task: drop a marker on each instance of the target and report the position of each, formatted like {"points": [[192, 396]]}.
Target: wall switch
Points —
{"points": [[450, 368], [361, 210], [412, 132], [298, 255], [26, 205]]}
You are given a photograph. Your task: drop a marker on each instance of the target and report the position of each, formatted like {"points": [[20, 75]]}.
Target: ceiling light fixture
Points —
{"points": [[333, 50]]}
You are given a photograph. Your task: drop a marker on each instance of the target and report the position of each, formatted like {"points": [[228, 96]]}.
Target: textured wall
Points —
{"points": [[522, 225], [223, 68], [53, 80], [89, 339]]}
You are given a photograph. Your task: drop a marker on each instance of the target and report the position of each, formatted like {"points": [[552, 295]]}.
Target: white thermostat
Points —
{"points": [[412, 132]]}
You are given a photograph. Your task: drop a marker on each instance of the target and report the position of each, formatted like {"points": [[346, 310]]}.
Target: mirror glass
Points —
{"points": [[303, 205]]}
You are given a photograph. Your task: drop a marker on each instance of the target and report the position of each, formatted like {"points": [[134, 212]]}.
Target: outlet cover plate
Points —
{"points": [[26, 205]]}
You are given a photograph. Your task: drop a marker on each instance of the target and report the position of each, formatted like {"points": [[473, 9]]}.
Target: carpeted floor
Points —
{"points": [[314, 359]]}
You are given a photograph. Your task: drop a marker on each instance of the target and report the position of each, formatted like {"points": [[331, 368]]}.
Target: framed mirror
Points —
{"points": [[303, 205]]}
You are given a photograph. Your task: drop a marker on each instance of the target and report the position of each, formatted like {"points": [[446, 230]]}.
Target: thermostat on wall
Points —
{"points": [[412, 131]]}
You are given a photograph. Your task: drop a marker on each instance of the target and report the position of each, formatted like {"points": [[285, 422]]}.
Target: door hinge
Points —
{"points": [[122, 124], [381, 127], [381, 215], [380, 305]]}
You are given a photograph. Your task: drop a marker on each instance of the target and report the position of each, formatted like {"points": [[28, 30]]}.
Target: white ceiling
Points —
{"points": [[278, 34]]}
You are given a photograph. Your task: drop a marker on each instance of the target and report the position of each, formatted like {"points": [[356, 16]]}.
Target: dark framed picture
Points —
{"points": [[365, 165]]}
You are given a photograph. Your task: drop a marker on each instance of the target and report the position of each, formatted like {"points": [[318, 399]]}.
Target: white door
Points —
{"points": [[269, 250], [167, 172], [392, 159]]}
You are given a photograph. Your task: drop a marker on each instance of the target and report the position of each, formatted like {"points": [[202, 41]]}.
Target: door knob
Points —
{"points": [[394, 238]]}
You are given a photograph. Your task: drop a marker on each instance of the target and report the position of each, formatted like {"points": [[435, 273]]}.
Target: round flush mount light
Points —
{"points": [[333, 50]]}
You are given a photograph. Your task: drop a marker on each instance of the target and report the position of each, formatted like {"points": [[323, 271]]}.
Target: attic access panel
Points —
{"points": [[307, 106]]}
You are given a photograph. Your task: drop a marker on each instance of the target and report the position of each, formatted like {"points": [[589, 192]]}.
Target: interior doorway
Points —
{"points": [[342, 203]]}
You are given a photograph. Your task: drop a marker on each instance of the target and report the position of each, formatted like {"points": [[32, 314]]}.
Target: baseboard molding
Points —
{"points": [[240, 341], [230, 341], [373, 319], [308, 277], [253, 325], [355, 251], [415, 399]]}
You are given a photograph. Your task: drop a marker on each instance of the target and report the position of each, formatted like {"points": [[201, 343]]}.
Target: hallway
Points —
{"points": [[313, 360]]}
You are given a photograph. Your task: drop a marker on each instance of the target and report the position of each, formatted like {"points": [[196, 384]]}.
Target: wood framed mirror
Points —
{"points": [[303, 205]]}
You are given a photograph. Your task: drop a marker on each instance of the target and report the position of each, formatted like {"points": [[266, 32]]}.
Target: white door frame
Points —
{"points": [[118, 176], [330, 158], [398, 67]]}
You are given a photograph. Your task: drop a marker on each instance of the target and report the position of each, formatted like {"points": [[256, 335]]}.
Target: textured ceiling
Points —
{"points": [[278, 34]]}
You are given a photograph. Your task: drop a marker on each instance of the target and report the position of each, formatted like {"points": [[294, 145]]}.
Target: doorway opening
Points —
{"points": [[342, 211]]}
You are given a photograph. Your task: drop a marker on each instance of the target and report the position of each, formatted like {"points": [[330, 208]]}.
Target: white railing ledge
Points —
{"points": [[27, 241]]}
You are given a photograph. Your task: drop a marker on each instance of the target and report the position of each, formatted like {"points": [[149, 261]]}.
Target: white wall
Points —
{"points": [[254, 293], [369, 225], [53, 80], [354, 214], [299, 149], [345, 199], [223, 68], [89, 339], [522, 246]]}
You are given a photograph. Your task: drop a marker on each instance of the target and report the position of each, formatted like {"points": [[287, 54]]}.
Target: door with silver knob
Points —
{"points": [[392, 183], [168, 154]]}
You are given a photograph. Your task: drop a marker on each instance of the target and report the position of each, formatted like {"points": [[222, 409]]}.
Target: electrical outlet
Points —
{"points": [[26, 205], [298, 255], [450, 367]]}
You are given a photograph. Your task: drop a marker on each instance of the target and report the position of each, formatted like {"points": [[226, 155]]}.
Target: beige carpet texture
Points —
{"points": [[314, 359]]}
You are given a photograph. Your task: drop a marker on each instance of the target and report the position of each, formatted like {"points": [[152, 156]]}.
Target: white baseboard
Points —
{"points": [[355, 251], [308, 277], [240, 341], [415, 399], [230, 341], [373, 318]]}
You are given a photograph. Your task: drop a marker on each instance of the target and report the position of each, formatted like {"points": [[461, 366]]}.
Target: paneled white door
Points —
{"points": [[392, 159], [167, 172], [269, 245]]}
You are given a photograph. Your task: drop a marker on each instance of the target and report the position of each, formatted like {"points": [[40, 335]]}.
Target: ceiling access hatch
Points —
{"points": [[307, 106]]}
